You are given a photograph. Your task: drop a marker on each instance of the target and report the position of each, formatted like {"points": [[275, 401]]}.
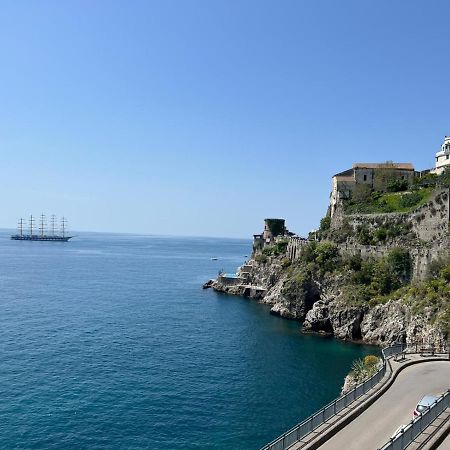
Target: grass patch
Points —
{"points": [[398, 202]]}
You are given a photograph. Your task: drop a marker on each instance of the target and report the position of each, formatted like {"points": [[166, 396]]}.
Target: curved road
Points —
{"points": [[375, 426]]}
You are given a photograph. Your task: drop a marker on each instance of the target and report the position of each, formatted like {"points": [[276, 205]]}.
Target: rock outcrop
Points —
{"points": [[316, 294]]}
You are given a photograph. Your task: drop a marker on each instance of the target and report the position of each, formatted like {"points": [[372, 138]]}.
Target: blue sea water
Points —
{"points": [[108, 341]]}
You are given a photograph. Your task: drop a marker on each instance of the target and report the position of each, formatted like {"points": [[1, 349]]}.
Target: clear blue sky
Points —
{"points": [[202, 117]]}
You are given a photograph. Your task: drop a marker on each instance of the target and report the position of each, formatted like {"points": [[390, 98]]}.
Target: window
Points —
{"points": [[446, 157], [365, 177]]}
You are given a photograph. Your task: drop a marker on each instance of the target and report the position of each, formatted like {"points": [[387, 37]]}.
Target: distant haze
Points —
{"points": [[204, 117]]}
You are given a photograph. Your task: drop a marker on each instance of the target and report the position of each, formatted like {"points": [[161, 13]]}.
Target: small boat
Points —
{"points": [[214, 259]]}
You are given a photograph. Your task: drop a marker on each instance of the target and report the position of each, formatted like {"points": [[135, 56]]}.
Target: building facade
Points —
{"points": [[344, 183], [442, 157]]}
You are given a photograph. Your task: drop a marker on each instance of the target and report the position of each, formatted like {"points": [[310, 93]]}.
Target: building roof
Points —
{"points": [[345, 173], [397, 166]]}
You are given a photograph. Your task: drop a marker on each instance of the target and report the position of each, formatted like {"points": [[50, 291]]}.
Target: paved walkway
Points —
{"points": [[446, 444]]}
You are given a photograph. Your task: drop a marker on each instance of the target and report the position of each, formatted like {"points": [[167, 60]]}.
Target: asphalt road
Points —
{"points": [[375, 426]]}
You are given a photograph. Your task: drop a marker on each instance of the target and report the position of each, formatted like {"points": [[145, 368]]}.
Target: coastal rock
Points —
{"points": [[394, 322], [208, 284], [318, 318], [320, 299], [349, 383], [333, 317], [346, 321], [385, 324]]}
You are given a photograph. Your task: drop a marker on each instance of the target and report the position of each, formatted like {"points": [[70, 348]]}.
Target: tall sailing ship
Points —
{"points": [[40, 233]]}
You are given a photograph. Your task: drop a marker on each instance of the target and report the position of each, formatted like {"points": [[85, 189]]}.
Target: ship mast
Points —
{"points": [[21, 221], [42, 225], [52, 224], [63, 226], [31, 224]]}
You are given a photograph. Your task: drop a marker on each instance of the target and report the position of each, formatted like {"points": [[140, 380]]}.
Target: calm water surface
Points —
{"points": [[108, 341]]}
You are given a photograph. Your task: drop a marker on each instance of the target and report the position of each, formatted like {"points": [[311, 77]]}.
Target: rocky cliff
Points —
{"points": [[397, 290]]}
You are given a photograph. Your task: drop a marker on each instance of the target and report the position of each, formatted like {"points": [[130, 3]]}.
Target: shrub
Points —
{"points": [[280, 247], [362, 369], [354, 262], [261, 259], [397, 185], [375, 278], [286, 262], [380, 234], [341, 234], [268, 250], [445, 273], [325, 223], [364, 236], [399, 261], [430, 179], [436, 266], [371, 360], [324, 256], [410, 200], [297, 284], [399, 229]]}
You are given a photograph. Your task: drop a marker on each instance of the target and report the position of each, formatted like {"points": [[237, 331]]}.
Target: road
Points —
{"points": [[375, 426]]}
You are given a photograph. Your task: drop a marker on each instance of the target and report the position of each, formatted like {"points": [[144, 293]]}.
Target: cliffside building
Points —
{"points": [[274, 231], [366, 173], [442, 157]]}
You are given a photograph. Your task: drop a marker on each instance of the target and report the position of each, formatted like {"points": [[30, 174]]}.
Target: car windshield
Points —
{"points": [[421, 408]]}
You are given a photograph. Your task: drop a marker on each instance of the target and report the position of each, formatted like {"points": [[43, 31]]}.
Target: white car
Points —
{"points": [[424, 404]]}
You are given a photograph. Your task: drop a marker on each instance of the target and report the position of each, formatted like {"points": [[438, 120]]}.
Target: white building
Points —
{"points": [[442, 157]]}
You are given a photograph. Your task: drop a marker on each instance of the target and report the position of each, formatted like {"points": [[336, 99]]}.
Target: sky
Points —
{"points": [[203, 117]]}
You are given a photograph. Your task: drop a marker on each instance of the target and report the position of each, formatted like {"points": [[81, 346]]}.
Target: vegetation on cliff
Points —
{"points": [[430, 297], [367, 201], [363, 280], [364, 368], [393, 195]]}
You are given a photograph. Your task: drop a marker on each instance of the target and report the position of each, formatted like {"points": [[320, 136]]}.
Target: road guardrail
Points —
{"points": [[417, 425], [314, 421]]}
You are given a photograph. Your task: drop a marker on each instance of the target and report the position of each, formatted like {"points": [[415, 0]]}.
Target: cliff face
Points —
{"points": [[377, 293], [320, 306], [381, 325]]}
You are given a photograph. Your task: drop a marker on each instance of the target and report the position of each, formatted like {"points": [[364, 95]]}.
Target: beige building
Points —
{"points": [[442, 157], [343, 183]]}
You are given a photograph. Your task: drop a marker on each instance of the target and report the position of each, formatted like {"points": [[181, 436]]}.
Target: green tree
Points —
{"points": [[399, 261]]}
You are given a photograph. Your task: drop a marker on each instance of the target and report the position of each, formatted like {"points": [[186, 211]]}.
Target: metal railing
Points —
{"points": [[314, 421], [416, 426]]}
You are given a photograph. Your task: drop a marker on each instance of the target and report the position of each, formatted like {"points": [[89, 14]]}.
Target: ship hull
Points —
{"points": [[18, 237]]}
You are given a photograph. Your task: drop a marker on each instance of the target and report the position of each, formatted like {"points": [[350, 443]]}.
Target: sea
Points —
{"points": [[109, 342]]}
